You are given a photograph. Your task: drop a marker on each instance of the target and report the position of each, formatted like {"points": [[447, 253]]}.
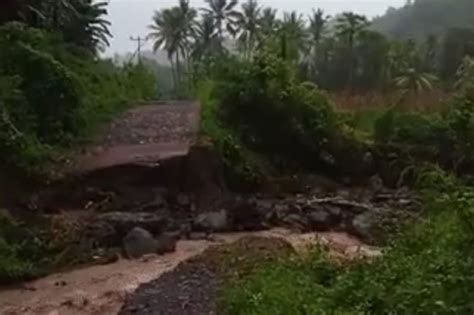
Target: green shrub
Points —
{"points": [[270, 110]]}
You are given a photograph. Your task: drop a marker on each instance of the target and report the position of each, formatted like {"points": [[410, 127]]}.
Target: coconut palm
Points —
{"points": [[268, 21], [166, 35], [348, 26], [249, 26], [413, 81], [317, 25], [224, 16], [293, 36], [206, 43], [89, 29]]}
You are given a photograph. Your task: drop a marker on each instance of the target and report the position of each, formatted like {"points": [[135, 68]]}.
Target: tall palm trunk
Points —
{"points": [[178, 71], [173, 74]]}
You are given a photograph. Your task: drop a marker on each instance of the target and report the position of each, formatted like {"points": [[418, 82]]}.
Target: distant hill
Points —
{"points": [[425, 17]]}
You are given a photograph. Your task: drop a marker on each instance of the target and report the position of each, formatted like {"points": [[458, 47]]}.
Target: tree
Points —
{"points": [[224, 16], [349, 26], [249, 26], [89, 29], [206, 43], [172, 30], [293, 36], [413, 81], [317, 25], [165, 32]]}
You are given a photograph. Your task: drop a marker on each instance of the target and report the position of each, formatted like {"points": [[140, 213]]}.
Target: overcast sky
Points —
{"points": [[131, 17]]}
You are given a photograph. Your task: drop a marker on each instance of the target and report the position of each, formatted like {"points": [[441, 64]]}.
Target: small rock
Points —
{"points": [[139, 242], [212, 221]]}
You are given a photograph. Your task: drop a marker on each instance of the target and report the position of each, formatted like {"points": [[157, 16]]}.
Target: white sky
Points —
{"points": [[131, 17]]}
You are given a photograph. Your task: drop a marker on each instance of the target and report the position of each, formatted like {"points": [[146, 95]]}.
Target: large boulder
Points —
{"points": [[123, 222], [139, 242], [212, 221]]}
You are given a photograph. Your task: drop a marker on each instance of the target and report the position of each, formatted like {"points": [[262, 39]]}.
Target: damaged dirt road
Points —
{"points": [[148, 133]]}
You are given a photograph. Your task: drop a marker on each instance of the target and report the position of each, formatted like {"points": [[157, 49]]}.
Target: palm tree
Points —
{"points": [[89, 29], [293, 36], [268, 21], [172, 30], [187, 15], [206, 45], [349, 26], [52, 14], [165, 32], [249, 26], [224, 16], [317, 25], [413, 81]]}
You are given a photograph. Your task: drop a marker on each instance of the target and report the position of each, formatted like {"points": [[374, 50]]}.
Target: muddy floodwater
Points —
{"points": [[103, 289]]}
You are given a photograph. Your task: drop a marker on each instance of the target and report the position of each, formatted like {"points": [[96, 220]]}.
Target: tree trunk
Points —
{"points": [[178, 70], [175, 86]]}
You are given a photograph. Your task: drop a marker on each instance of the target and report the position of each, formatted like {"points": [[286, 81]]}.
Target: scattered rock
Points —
{"points": [[123, 222], [212, 221], [320, 220], [139, 242]]}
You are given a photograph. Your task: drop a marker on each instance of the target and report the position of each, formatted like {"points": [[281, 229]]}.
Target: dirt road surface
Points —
{"points": [[148, 133]]}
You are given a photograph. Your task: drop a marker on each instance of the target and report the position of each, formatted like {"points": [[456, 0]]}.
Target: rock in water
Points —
{"points": [[166, 243], [139, 242], [212, 221]]}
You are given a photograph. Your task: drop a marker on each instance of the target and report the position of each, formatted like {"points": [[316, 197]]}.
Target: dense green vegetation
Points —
{"points": [[53, 89]]}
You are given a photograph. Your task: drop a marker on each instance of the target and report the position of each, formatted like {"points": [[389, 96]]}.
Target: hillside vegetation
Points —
{"points": [[421, 18]]}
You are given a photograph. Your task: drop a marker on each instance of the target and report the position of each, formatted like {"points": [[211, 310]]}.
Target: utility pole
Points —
{"points": [[140, 42]]}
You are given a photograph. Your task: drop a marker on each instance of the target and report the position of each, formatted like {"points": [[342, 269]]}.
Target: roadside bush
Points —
{"points": [[271, 111], [243, 170], [53, 95]]}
